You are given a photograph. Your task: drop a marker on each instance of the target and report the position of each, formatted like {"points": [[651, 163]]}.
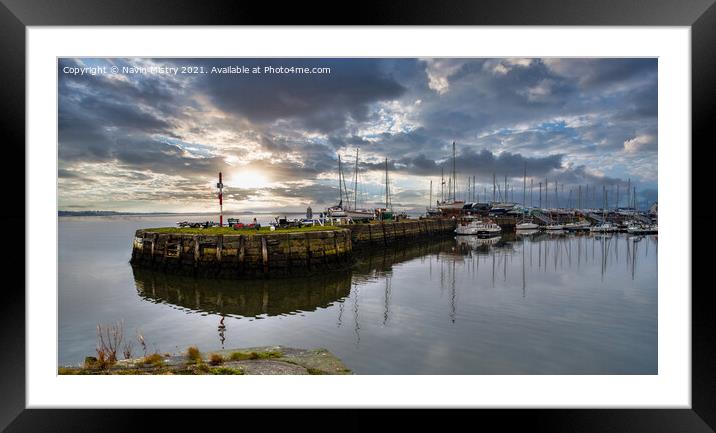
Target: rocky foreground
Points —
{"points": [[254, 360]]}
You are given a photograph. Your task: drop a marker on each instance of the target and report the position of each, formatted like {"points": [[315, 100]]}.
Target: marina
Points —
{"points": [[290, 248]]}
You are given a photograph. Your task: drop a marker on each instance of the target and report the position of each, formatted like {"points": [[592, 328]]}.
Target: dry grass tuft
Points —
{"points": [[193, 354], [216, 359]]}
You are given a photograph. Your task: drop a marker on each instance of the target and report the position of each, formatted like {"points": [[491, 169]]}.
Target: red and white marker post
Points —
{"points": [[220, 186]]}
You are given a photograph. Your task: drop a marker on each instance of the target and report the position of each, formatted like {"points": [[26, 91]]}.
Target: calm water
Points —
{"points": [[544, 304]]}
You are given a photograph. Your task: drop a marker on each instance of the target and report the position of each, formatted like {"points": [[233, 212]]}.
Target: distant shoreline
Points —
{"points": [[114, 213]]}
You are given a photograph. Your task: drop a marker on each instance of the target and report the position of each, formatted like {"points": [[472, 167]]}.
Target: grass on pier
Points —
{"points": [[232, 231]]}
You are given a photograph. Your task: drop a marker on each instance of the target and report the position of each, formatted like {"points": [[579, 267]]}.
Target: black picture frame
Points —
{"points": [[16, 15]]}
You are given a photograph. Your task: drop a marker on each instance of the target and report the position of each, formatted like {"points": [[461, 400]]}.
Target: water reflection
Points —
{"points": [[556, 251], [242, 298]]}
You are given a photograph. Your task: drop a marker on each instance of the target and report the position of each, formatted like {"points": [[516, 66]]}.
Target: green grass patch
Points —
{"points": [[243, 356], [202, 368], [231, 231], [226, 370]]}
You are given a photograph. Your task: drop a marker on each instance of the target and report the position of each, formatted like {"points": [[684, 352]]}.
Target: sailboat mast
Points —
{"points": [[506, 197], [355, 184], [345, 187], [556, 198], [340, 186], [386, 184], [532, 186], [454, 175], [604, 206], [474, 194], [586, 195], [540, 195], [524, 187], [546, 193], [493, 187], [430, 202]]}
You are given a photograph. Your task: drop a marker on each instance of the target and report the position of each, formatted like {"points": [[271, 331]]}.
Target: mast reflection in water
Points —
{"points": [[535, 304]]}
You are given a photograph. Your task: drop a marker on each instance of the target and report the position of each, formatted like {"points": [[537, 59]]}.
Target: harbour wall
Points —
{"points": [[254, 255], [372, 235], [273, 254]]}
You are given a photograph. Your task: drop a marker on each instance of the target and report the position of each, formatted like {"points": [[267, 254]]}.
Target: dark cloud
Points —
{"points": [[574, 121], [468, 163], [322, 102], [67, 174]]}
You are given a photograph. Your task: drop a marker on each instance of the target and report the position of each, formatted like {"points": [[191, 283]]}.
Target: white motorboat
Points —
{"points": [[641, 229], [526, 226], [579, 225], [603, 228], [477, 227], [554, 227]]}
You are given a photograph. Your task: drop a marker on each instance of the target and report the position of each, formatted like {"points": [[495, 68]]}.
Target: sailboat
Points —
{"points": [[576, 226], [386, 213], [355, 213], [431, 211], [451, 204], [605, 226], [337, 211]]}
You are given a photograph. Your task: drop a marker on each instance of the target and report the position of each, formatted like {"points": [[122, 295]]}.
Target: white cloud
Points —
{"points": [[503, 66], [438, 71], [539, 92], [638, 143]]}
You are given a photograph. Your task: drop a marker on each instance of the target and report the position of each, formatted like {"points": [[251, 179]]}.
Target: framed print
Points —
{"points": [[460, 212]]}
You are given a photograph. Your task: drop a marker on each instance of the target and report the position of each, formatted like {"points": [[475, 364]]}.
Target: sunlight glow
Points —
{"points": [[247, 179]]}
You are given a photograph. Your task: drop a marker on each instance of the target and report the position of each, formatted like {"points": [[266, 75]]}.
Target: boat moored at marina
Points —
{"points": [[603, 228], [641, 229], [577, 226], [526, 226], [473, 226]]}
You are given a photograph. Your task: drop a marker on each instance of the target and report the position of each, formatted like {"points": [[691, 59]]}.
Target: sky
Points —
{"points": [[147, 139]]}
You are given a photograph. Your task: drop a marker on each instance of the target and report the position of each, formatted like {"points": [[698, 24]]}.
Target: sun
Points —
{"points": [[247, 179]]}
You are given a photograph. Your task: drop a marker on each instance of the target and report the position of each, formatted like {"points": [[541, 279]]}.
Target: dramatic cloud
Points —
{"points": [[639, 143], [142, 140]]}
